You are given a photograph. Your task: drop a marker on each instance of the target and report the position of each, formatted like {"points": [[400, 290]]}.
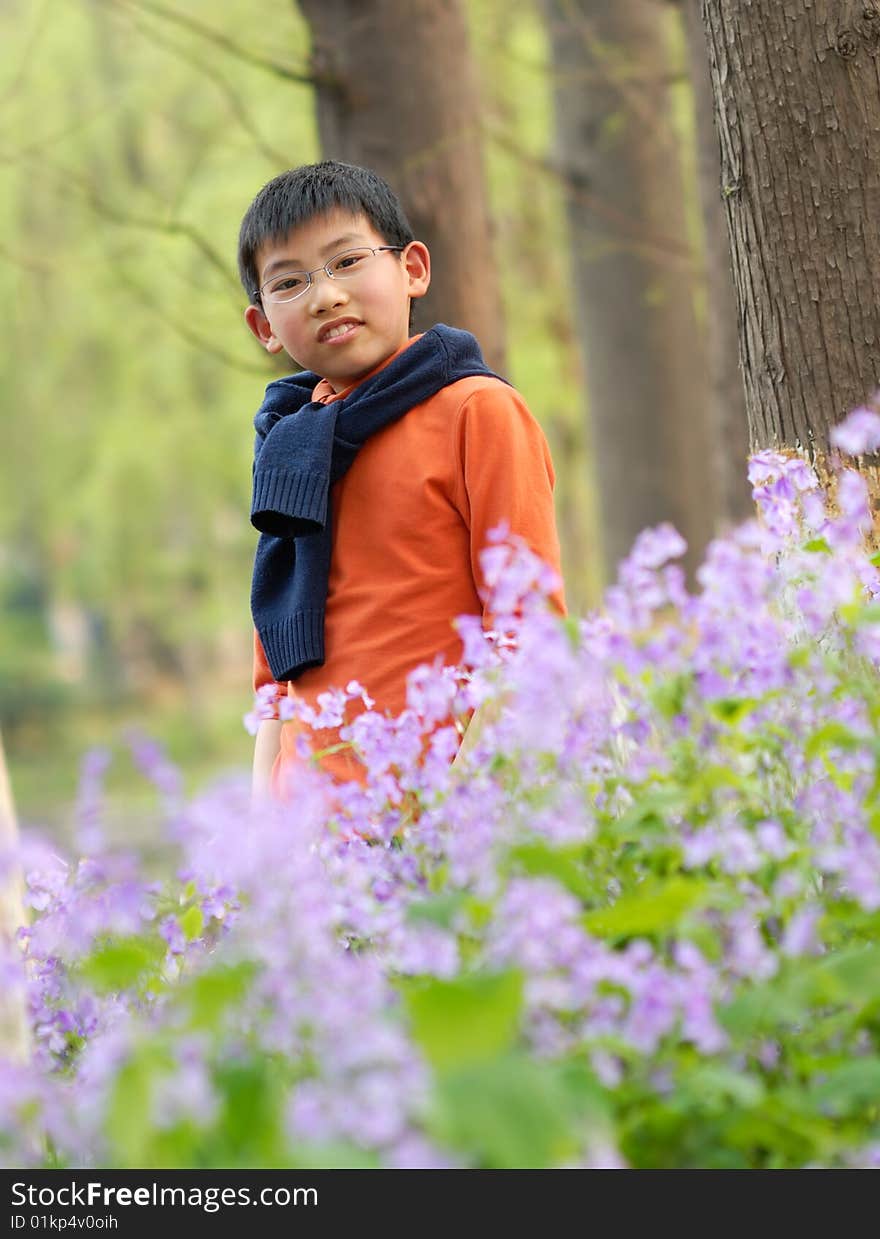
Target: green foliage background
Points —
{"points": [[132, 138]]}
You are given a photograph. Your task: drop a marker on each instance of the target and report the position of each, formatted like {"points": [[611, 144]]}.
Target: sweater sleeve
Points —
{"points": [[263, 676], [505, 474]]}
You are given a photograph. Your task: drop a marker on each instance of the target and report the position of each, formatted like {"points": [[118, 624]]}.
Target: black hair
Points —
{"points": [[302, 194]]}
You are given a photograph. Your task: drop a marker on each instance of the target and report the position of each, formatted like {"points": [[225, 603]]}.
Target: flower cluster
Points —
{"points": [[634, 924]]}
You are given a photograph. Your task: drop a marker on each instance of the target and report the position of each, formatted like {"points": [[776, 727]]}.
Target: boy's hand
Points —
{"points": [[266, 748], [489, 712]]}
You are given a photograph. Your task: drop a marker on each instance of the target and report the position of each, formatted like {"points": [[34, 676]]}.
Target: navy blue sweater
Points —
{"points": [[302, 448]]}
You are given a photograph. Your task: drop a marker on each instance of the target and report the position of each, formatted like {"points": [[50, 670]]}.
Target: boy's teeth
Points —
{"points": [[339, 331]]}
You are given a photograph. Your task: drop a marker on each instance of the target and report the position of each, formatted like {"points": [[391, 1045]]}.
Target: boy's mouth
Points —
{"points": [[338, 331]]}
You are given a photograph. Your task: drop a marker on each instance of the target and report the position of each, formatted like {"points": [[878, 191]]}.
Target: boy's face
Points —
{"points": [[371, 309]]}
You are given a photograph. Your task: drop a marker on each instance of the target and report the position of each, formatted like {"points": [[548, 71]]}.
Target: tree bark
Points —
{"points": [[797, 99], [397, 92], [633, 270], [726, 404]]}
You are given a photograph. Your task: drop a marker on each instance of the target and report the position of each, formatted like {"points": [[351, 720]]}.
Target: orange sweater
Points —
{"points": [[409, 520]]}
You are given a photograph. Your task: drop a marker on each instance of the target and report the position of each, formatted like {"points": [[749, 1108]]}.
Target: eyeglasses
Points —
{"points": [[292, 284]]}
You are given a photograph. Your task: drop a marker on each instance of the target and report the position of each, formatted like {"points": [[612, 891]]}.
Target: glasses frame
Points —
{"points": [[325, 267]]}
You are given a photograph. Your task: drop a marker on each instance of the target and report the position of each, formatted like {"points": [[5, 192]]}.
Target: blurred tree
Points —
{"points": [[396, 91], [528, 216], [633, 270], [726, 397], [798, 112], [132, 136], [14, 1038]]}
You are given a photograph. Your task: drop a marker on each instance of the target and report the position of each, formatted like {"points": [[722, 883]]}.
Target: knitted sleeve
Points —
{"points": [[506, 475], [263, 676]]}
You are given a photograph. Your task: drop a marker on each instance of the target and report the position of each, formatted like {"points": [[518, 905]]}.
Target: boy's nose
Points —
{"points": [[324, 292]]}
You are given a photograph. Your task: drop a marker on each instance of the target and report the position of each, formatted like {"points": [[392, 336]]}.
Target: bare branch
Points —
{"points": [[33, 43], [636, 241], [204, 346], [27, 264], [614, 70], [171, 227], [218, 39], [236, 105], [77, 125]]}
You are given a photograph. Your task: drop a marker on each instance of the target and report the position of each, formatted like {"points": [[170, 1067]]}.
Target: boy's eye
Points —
{"points": [[345, 262], [287, 283]]}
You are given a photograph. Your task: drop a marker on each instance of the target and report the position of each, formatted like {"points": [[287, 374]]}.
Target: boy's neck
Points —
{"points": [[325, 391]]}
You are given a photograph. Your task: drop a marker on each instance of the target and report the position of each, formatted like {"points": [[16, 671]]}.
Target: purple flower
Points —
{"points": [[747, 954], [430, 692], [848, 529], [768, 468], [772, 840], [800, 937], [413, 1152], [733, 729], [477, 648], [426, 950], [171, 932], [266, 705], [654, 1010], [153, 762], [655, 547], [859, 432]]}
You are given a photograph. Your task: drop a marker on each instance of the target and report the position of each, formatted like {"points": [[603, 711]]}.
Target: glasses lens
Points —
{"points": [[286, 286], [343, 266]]}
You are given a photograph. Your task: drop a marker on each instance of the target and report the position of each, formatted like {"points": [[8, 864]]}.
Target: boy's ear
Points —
{"points": [[262, 329], [417, 262]]}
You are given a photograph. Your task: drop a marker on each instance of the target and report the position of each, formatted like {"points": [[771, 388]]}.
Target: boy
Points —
{"points": [[378, 470]]}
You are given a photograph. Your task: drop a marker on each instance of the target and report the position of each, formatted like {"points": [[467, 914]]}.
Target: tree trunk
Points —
{"points": [[397, 93], [633, 270], [798, 110], [727, 406]]}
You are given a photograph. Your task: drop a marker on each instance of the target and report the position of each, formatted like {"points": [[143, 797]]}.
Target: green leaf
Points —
{"points": [[121, 963], [565, 864], [657, 907], [831, 735], [763, 1008], [848, 976], [732, 709], [709, 779], [858, 613], [468, 1020], [669, 694], [512, 1113], [192, 922], [650, 811], [818, 546], [438, 877], [250, 1123], [783, 1131], [571, 625], [439, 909], [336, 1156], [714, 1087], [848, 1088], [128, 1128], [210, 993]]}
